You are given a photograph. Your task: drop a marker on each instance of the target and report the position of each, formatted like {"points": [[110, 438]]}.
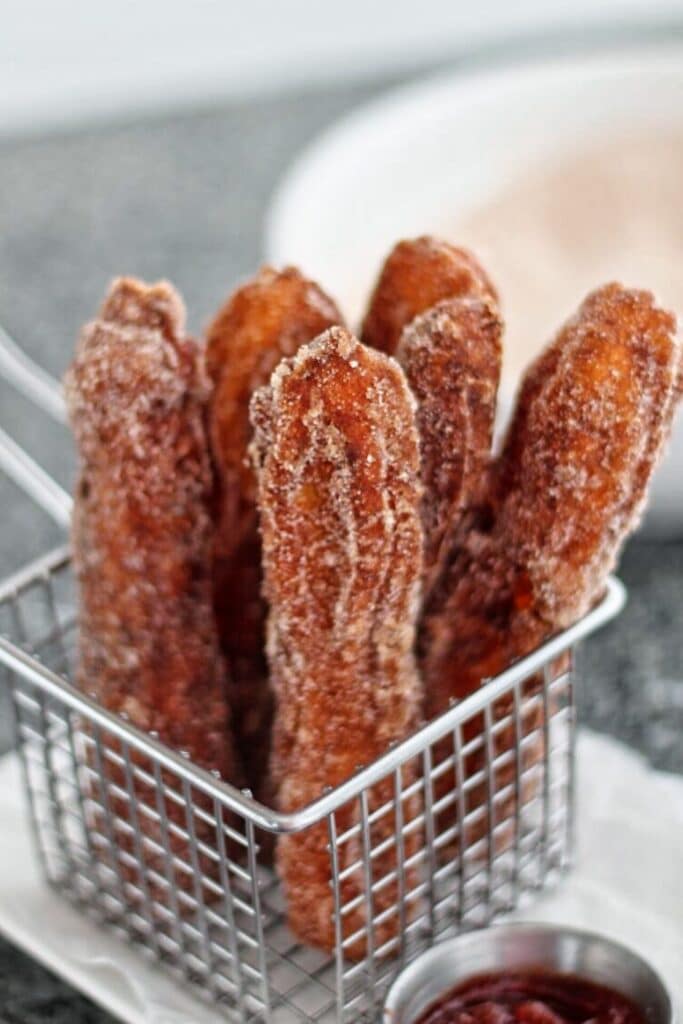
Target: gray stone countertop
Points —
{"points": [[183, 198]]}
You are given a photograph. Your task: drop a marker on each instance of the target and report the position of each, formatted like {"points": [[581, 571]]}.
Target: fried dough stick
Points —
{"points": [[591, 420], [267, 318], [451, 356], [569, 487], [142, 538], [337, 460], [417, 274]]}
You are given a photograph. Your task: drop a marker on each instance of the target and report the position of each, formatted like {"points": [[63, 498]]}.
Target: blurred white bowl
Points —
{"points": [[421, 157]]}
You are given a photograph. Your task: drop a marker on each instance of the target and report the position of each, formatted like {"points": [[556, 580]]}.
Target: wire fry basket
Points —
{"points": [[459, 823]]}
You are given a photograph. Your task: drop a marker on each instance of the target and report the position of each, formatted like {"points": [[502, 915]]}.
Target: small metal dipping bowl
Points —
{"points": [[520, 946]]}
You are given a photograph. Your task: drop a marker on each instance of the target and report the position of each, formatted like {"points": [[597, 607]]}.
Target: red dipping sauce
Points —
{"points": [[532, 997]]}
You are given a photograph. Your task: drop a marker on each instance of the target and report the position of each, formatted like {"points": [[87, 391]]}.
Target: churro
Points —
{"points": [[265, 319], [591, 420], [417, 274], [336, 452], [142, 538], [451, 356]]}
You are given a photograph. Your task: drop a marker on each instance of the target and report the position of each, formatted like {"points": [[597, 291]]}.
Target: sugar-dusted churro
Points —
{"points": [[451, 356], [267, 318], [572, 480], [336, 452], [142, 538], [417, 274], [591, 419], [593, 415]]}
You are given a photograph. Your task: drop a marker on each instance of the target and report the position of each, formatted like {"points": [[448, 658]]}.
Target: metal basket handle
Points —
{"points": [[44, 392]]}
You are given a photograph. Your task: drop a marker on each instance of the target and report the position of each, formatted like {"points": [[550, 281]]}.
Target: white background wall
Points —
{"points": [[66, 60]]}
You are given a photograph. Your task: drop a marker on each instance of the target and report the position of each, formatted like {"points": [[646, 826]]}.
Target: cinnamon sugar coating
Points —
{"points": [[588, 443], [417, 274], [451, 356], [267, 318], [569, 487], [142, 533], [592, 415], [336, 453], [153, 307]]}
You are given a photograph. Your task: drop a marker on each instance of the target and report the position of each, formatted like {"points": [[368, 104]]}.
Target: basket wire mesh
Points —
{"points": [[479, 805], [448, 830]]}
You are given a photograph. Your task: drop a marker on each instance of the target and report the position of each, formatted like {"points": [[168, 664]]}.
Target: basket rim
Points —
{"points": [[241, 801]]}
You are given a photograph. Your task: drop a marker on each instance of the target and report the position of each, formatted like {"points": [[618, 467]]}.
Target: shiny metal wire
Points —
{"points": [[168, 856]]}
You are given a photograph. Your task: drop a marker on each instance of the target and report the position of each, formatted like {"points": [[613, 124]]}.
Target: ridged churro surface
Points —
{"points": [[451, 356], [336, 452], [417, 274], [142, 531], [265, 319], [592, 417]]}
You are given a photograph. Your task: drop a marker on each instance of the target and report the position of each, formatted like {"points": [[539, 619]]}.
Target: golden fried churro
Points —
{"points": [[265, 319], [451, 356], [586, 437], [142, 536], [592, 416], [416, 275], [336, 452]]}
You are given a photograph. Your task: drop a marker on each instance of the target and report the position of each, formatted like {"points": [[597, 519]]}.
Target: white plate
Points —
{"points": [[422, 156], [628, 884]]}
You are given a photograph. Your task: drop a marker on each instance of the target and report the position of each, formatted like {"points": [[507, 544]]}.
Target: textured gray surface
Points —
{"points": [[184, 198]]}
